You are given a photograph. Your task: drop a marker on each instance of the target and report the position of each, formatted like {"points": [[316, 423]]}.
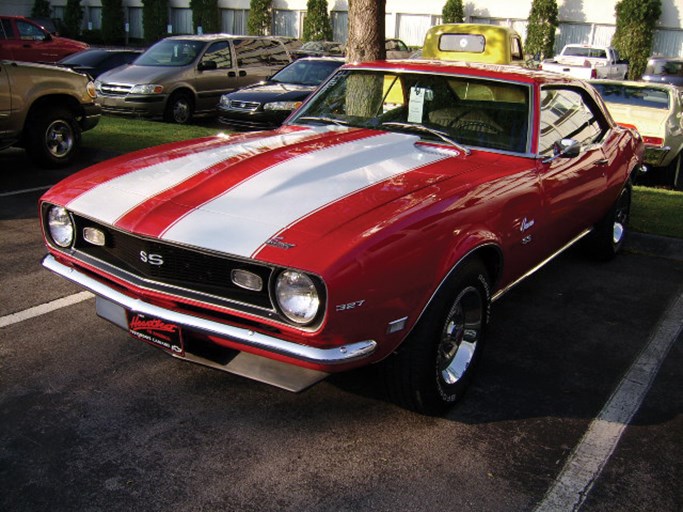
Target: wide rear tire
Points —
{"points": [[609, 235]]}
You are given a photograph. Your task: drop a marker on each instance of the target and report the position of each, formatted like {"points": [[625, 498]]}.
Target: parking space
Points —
{"points": [[91, 419]]}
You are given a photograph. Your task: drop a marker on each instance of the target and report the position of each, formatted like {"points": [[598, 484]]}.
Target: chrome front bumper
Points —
{"points": [[112, 305]]}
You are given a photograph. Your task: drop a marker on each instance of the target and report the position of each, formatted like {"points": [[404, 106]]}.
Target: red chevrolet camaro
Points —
{"points": [[376, 226]]}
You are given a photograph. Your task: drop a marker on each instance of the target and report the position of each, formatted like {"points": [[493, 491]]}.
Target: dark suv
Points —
{"points": [[183, 76]]}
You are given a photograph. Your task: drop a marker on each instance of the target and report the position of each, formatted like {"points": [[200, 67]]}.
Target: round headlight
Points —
{"points": [[297, 296], [60, 226]]}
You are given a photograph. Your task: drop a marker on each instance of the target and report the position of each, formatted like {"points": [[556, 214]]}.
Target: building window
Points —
{"points": [[234, 21]]}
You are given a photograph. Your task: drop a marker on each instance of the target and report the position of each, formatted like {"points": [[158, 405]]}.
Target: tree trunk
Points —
{"points": [[366, 30]]}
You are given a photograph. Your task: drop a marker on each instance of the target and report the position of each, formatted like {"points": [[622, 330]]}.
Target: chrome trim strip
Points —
{"points": [[325, 356], [503, 291]]}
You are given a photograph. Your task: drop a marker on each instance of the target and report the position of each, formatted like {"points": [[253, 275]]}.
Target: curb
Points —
{"points": [[655, 245]]}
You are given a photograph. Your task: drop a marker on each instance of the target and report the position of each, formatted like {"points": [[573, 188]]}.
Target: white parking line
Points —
{"points": [[25, 191], [35, 311], [590, 456]]}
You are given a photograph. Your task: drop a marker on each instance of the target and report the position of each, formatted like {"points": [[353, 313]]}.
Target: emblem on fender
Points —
{"points": [[277, 241]]}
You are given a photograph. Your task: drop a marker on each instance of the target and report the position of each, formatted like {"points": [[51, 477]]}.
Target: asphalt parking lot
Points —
{"points": [[91, 419]]}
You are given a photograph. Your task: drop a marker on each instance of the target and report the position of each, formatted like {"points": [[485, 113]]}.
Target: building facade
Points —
{"points": [[580, 21]]}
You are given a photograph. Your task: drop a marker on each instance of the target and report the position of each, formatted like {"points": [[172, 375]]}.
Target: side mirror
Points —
{"points": [[564, 148], [207, 65]]}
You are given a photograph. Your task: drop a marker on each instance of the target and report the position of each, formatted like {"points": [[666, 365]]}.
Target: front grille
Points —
{"points": [[246, 106], [169, 267], [115, 89]]}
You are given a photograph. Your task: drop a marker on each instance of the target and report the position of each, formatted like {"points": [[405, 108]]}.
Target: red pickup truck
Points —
{"points": [[23, 39]]}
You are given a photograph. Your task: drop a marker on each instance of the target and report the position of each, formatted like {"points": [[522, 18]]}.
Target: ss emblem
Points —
{"points": [[151, 258]]}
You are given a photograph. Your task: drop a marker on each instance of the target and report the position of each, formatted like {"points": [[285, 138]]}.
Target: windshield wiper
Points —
{"points": [[323, 119], [425, 129]]}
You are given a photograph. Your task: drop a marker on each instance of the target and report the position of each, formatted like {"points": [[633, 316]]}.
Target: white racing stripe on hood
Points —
{"points": [[111, 200], [241, 220]]}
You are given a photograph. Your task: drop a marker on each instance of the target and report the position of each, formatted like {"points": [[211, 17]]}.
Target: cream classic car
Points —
{"points": [[656, 111]]}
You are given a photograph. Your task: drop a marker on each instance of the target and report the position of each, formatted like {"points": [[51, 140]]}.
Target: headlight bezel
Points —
{"points": [[282, 106], [147, 89], [317, 304], [68, 238]]}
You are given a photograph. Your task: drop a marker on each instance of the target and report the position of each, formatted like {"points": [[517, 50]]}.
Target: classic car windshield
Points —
{"points": [[650, 97], [170, 52], [472, 111]]}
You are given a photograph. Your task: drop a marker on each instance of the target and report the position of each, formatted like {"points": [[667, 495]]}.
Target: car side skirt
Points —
{"points": [[503, 291]]}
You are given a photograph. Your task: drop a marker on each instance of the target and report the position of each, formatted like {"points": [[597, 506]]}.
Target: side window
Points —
{"points": [[29, 31], [219, 52], [260, 52], [565, 115], [6, 31], [516, 49]]}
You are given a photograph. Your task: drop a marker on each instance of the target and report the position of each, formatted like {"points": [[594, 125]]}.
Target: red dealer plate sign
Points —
{"points": [[156, 332]]}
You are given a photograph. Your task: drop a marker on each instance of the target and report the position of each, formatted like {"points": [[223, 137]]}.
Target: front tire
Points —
{"points": [[54, 138], [432, 369], [179, 109]]}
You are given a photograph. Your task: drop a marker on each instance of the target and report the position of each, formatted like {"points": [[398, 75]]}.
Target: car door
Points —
{"points": [[5, 100], [573, 187], [34, 44]]}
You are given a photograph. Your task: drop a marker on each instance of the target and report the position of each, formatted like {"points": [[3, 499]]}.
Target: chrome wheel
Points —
{"points": [[59, 138], [621, 214], [460, 335]]}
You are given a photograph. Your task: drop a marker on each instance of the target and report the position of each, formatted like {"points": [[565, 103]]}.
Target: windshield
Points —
{"points": [[170, 52], [649, 97], [306, 72], [468, 110]]}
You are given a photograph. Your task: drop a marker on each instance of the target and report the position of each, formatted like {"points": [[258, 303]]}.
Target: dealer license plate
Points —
{"points": [[157, 332]]}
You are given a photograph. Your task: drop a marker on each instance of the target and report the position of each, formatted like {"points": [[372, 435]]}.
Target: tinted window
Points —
{"points": [[260, 52], [219, 52], [565, 115], [649, 97], [171, 52], [462, 43], [664, 68], [29, 31], [7, 32]]}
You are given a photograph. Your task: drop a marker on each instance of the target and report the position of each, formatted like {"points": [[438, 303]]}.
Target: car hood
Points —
{"points": [[272, 92], [132, 74], [65, 42], [264, 196], [648, 121]]}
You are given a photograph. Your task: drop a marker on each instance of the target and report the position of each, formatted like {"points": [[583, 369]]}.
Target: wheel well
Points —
{"points": [[182, 90], [492, 258], [54, 101], [50, 102]]}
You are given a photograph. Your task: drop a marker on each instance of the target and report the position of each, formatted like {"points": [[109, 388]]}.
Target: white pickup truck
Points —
{"points": [[586, 62]]}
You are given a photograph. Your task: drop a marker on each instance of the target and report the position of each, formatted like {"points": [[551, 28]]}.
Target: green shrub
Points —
{"points": [[41, 9], [113, 22], [540, 35], [453, 12], [317, 25], [636, 21], [205, 14], [260, 17], [154, 19], [73, 18]]}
